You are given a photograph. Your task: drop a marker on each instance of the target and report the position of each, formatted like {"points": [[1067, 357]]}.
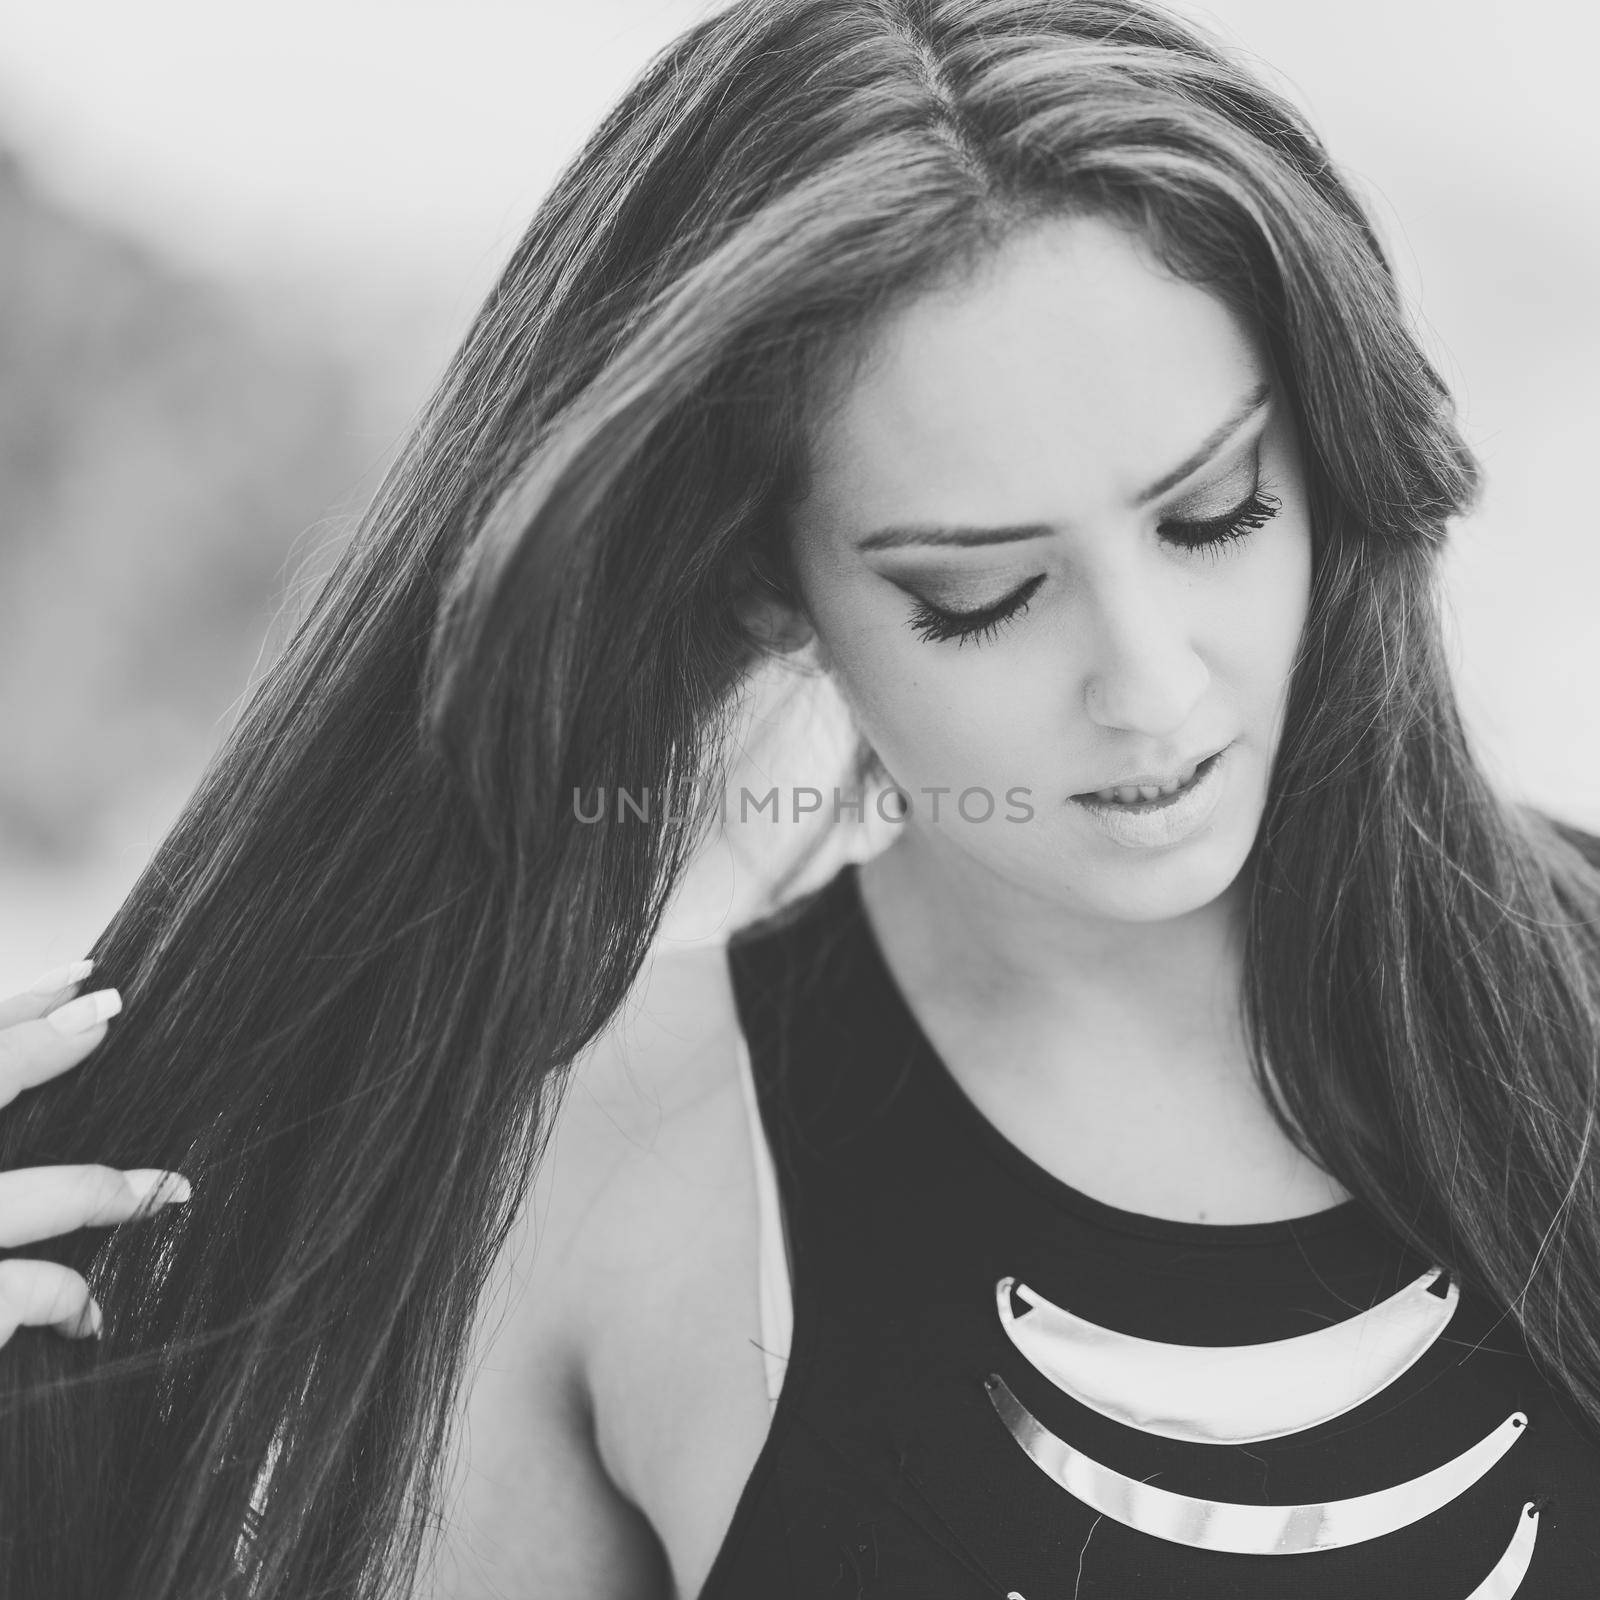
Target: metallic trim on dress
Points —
{"points": [[1509, 1570], [1512, 1567], [1229, 1394], [1246, 1529]]}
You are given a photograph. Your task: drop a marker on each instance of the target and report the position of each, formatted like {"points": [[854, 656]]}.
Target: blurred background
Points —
{"points": [[238, 243]]}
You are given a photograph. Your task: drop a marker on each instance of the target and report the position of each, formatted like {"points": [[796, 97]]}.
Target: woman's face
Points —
{"points": [[1082, 453]]}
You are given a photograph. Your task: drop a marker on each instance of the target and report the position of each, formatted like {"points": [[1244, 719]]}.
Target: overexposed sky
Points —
{"points": [[400, 144], [384, 157], [393, 147]]}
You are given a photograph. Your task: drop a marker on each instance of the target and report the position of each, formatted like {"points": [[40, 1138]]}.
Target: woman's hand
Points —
{"points": [[43, 1032]]}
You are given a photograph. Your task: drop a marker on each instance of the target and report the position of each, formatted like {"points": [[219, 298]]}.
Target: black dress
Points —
{"points": [[972, 1405]]}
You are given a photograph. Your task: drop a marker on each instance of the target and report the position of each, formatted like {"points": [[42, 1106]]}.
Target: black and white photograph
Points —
{"points": [[801, 800]]}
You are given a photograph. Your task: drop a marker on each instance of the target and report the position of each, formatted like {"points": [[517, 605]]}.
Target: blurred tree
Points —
{"points": [[163, 448]]}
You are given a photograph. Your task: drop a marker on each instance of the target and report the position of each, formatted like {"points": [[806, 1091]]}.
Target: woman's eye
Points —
{"points": [[934, 623], [1208, 535], [1203, 535]]}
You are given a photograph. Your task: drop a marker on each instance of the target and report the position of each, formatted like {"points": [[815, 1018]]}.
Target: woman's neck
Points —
{"points": [[994, 946], [1120, 1064]]}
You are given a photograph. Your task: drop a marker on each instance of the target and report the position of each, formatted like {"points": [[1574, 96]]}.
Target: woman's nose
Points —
{"points": [[1144, 674]]}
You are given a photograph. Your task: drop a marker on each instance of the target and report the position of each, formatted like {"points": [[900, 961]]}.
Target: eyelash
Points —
{"points": [[1208, 538]]}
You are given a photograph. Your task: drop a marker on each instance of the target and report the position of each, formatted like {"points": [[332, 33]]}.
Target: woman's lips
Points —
{"points": [[1182, 780]]}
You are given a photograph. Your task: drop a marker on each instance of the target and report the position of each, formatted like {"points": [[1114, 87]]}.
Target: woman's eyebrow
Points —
{"points": [[898, 538]]}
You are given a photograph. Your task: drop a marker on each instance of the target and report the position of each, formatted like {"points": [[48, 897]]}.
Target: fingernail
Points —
{"points": [[88, 1324], [60, 977], [86, 1012], [146, 1181]]}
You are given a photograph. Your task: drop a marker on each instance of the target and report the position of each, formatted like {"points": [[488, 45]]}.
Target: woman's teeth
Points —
{"points": [[1130, 795]]}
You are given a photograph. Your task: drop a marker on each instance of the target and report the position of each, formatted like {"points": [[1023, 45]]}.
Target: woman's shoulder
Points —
{"points": [[651, 1169], [650, 1136], [614, 1220], [671, 1044], [645, 1106]]}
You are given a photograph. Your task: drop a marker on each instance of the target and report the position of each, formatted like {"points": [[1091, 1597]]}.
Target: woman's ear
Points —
{"points": [[776, 625], [775, 620]]}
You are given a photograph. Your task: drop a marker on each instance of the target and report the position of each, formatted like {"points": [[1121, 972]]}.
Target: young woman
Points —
{"points": [[1164, 1170]]}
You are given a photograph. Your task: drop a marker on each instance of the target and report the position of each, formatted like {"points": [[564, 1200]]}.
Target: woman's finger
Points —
{"points": [[44, 1202], [44, 1294], [31, 1052], [45, 993]]}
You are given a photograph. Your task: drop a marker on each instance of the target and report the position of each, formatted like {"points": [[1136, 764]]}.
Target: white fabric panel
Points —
{"points": [[772, 1268]]}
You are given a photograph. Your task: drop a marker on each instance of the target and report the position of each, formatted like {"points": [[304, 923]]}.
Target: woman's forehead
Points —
{"points": [[1070, 367]]}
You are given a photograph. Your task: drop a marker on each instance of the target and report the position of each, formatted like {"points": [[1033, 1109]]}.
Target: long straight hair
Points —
{"points": [[360, 966]]}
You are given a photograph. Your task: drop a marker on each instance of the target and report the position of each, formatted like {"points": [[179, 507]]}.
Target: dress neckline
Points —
{"points": [[1347, 1216]]}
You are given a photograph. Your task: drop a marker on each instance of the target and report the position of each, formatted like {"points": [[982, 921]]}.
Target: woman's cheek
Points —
{"points": [[890, 693], [1271, 617], [956, 722]]}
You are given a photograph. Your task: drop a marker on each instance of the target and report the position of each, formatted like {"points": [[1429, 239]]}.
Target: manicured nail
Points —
{"points": [[145, 1182], [87, 1324], [86, 1012], [60, 977]]}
